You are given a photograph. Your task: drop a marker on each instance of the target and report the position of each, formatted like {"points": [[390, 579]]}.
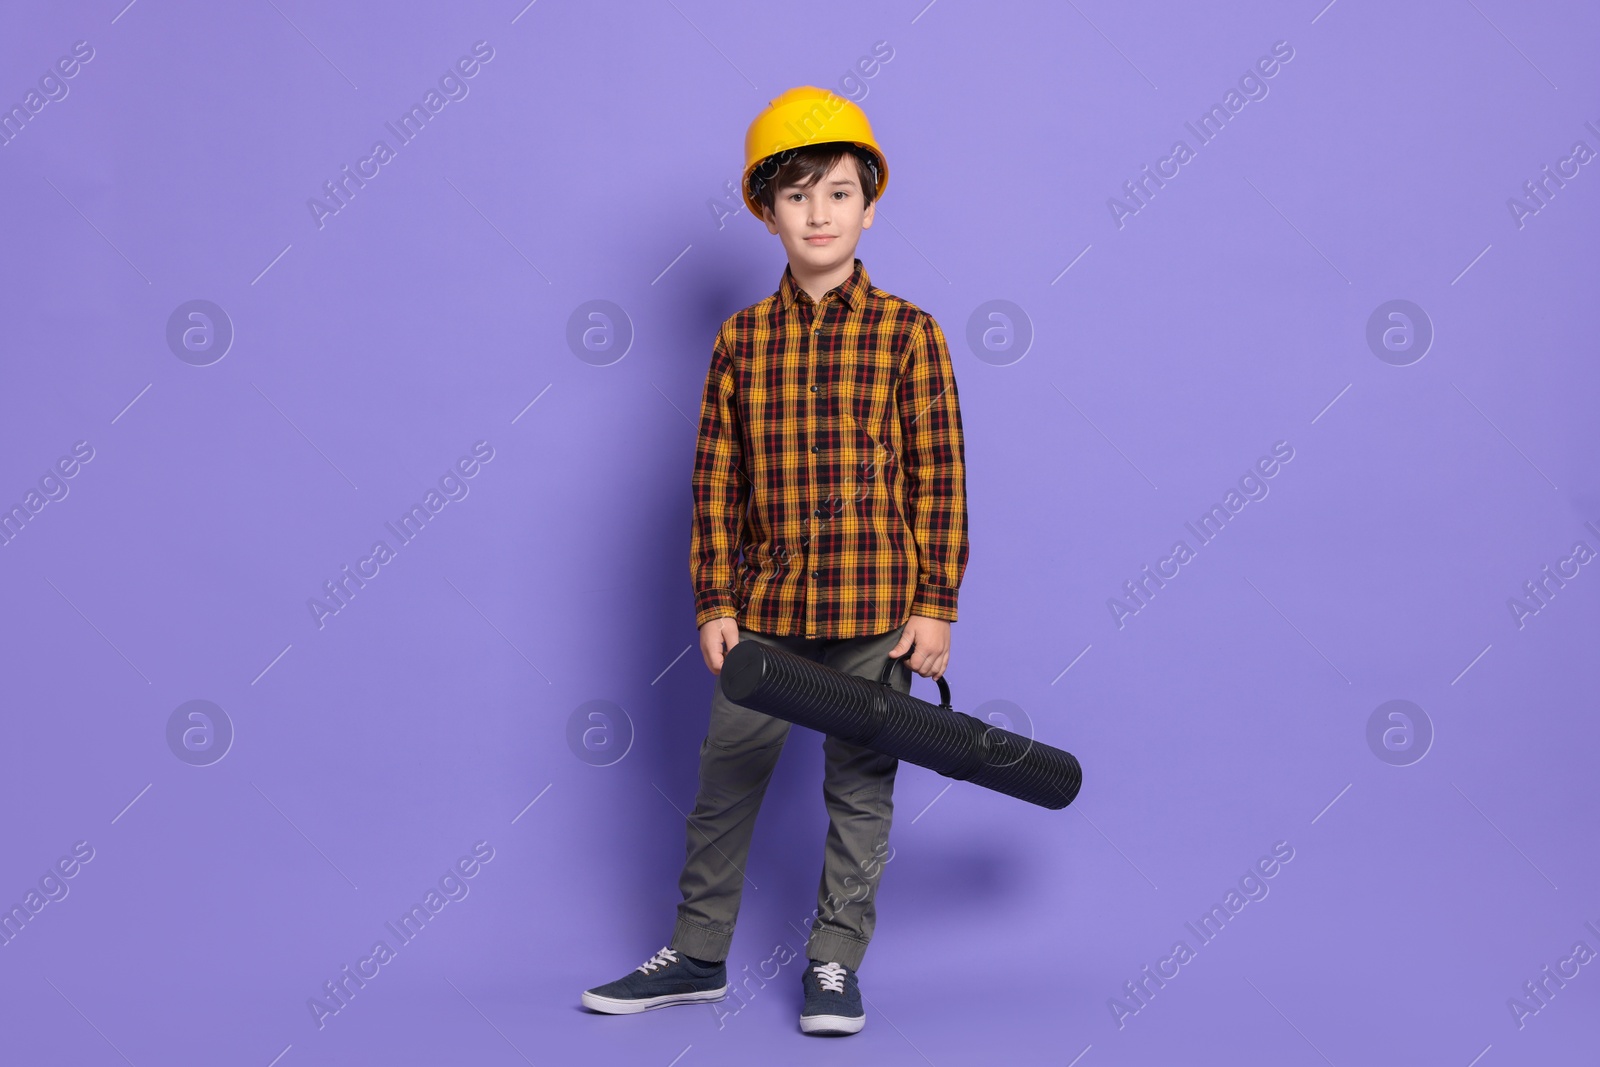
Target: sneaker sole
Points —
{"points": [[832, 1024], [614, 1006]]}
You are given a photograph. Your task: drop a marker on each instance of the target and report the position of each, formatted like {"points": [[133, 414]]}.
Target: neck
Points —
{"points": [[816, 282]]}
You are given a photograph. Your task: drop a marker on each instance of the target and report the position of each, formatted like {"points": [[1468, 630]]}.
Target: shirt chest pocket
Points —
{"points": [[870, 470], [865, 386]]}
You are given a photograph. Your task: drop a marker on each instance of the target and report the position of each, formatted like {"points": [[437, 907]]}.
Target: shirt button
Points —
{"points": [[813, 388], [816, 448], [815, 574], [816, 513]]}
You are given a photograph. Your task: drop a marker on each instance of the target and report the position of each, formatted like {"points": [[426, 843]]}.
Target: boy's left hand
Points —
{"points": [[931, 638]]}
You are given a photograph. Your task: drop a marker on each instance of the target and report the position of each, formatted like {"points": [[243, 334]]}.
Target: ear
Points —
{"points": [[866, 216], [769, 219]]}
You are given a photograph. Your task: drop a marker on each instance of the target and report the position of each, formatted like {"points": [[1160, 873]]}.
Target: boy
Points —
{"points": [[830, 458]]}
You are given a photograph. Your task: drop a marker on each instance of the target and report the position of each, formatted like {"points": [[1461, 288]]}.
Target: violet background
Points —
{"points": [[586, 164]]}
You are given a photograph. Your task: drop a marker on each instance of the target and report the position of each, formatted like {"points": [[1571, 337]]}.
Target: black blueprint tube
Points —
{"points": [[777, 682]]}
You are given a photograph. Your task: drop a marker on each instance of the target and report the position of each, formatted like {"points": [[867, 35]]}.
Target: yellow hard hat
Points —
{"points": [[806, 115]]}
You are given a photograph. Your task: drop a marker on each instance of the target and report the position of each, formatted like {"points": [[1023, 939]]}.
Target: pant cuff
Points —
{"points": [[828, 945], [697, 941]]}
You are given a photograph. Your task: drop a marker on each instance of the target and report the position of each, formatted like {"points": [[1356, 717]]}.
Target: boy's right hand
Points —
{"points": [[716, 638]]}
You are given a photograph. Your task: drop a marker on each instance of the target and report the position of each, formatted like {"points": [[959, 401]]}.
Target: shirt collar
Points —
{"points": [[853, 290]]}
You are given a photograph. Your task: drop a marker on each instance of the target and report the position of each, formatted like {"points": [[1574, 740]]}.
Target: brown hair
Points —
{"points": [[806, 165]]}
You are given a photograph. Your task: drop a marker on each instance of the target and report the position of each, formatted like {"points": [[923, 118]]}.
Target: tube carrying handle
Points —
{"points": [[944, 688]]}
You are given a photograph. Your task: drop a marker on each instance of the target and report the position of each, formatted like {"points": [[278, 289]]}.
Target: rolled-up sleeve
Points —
{"points": [[721, 492], [934, 464]]}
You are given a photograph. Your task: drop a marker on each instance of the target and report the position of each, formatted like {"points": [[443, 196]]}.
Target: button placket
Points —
{"points": [[811, 433], [818, 317]]}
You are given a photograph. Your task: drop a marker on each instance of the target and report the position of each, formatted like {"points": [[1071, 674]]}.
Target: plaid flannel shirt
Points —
{"points": [[830, 477]]}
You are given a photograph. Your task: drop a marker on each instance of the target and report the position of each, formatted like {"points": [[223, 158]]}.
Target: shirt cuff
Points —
{"points": [[934, 602], [713, 604]]}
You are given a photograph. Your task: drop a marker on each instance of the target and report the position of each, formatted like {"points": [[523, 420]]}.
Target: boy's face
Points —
{"points": [[821, 225]]}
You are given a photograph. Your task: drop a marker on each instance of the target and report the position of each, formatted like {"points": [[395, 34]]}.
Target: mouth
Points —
{"points": [[820, 239]]}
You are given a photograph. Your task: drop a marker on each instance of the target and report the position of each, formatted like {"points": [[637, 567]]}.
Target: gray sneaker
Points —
{"points": [[666, 978]]}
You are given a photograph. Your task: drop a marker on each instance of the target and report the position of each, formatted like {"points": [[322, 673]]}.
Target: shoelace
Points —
{"points": [[660, 959], [831, 975]]}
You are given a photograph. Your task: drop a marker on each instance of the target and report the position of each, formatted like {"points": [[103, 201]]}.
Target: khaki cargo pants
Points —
{"points": [[737, 757]]}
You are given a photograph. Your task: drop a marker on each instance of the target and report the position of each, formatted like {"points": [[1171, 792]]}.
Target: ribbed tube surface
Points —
{"points": [[952, 743]]}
